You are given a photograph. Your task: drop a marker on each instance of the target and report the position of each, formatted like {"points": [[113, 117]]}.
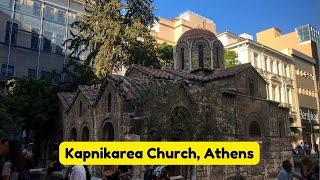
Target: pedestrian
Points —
{"points": [[54, 165], [28, 155], [110, 172], [15, 166], [306, 168], [148, 175], [125, 173], [286, 172], [78, 173]]}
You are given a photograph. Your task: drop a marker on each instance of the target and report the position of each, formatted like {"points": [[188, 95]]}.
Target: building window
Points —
{"points": [[35, 39], [217, 57], [47, 41], [32, 73], [182, 57], [56, 78], [7, 70], [18, 5], [59, 42], [109, 102], [107, 132], [36, 8], [14, 33], [49, 13], [265, 63], [73, 134], [85, 134], [255, 60], [200, 55], [273, 93], [45, 75], [61, 16], [303, 33], [80, 108], [254, 129], [281, 130], [251, 87], [271, 66]]}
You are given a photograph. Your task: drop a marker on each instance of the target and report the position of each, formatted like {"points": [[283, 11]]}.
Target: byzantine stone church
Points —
{"points": [[113, 110]]}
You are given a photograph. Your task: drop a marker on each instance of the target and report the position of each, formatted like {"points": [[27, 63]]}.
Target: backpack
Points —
{"points": [[24, 175]]}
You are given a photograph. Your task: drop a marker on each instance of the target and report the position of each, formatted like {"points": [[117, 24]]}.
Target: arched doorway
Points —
{"points": [[254, 129], [73, 134], [85, 134], [107, 132]]}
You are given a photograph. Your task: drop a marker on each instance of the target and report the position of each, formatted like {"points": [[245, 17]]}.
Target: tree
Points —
{"points": [[33, 104], [230, 58], [165, 54], [78, 74], [8, 127], [115, 33]]}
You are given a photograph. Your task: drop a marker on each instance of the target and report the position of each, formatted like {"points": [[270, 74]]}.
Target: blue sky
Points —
{"points": [[248, 16]]}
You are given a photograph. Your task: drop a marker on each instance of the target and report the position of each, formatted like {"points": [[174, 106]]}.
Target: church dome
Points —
{"points": [[197, 33]]}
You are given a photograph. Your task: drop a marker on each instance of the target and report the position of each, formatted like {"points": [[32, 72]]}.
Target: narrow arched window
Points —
{"points": [[182, 57], [85, 134], [251, 87], [254, 129], [217, 57], [80, 108], [73, 134], [109, 102], [200, 55]]}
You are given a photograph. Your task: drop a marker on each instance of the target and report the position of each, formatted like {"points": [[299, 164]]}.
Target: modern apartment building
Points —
{"points": [[170, 30], [275, 67], [302, 45], [305, 39], [32, 34]]}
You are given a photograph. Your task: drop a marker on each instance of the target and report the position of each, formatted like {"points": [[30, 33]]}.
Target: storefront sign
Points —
{"points": [[308, 114]]}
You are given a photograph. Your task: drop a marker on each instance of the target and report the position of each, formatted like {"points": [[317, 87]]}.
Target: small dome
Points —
{"points": [[197, 33]]}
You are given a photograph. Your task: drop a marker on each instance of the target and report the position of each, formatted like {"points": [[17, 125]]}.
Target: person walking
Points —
{"points": [[78, 173], [28, 155]]}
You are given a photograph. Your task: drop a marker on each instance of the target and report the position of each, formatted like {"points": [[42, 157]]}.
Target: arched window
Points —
{"points": [[80, 108], [73, 134], [251, 87], [182, 57], [254, 129], [200, 55], [281, 130], [85, 134], [109, 102], [107, 132], [217, 57]]}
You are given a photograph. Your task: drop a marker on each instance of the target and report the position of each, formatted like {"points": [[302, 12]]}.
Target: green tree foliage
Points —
{"points": [[8, 127], [32, 104], [78, 74], [115, 33], [165, 54], [230, 58]]}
